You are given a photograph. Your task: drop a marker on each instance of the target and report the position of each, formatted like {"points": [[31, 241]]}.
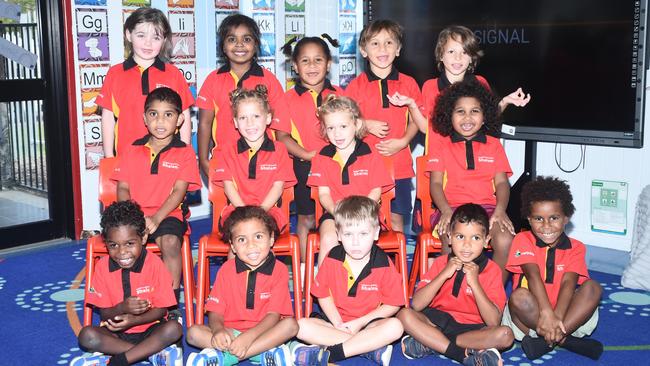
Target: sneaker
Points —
{"points": [[380, 356], [278, 356], [96, 359], [304, 355], [412, 349], [207, 357], [170, 356], [484, 357]]}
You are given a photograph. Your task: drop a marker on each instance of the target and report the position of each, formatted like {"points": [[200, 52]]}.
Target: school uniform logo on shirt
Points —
{"points": [[486, 159], [312, 174], [559, 267], [468, 291], [434, 160], [359, 172], [168, 165], [212, 298], [159, 85], [143, 290], [519, 254], [268, 167], [369, 287], [265, 295]]}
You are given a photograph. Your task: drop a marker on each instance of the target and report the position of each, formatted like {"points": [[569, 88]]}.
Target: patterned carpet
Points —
{"points": [[41, 293]]}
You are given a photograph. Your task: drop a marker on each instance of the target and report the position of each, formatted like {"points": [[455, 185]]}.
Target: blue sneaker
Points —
{"points": [[278, 356], [412, 349], [170, 356], [484, 357], [304, 355], [96, 359], [380, 356], [207, 357]]}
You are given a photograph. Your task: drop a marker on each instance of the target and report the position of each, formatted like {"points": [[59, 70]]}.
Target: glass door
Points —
{"points": [[35, 173]]}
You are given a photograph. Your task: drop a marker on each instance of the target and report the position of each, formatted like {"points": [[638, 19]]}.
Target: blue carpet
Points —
{"points": [[42, 294]]}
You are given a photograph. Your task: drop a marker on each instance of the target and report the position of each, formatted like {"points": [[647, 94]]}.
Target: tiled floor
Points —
{"points": [[18, 207]]}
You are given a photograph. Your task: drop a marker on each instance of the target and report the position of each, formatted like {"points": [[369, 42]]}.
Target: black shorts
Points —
{"points": [[325, 216], [448, 325], [322, 316], [402, 203], [136, 338], [169, 226], [301, 192]]}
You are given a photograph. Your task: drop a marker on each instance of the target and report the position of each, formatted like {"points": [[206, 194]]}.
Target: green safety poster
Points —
{"points": [[609, 207]]}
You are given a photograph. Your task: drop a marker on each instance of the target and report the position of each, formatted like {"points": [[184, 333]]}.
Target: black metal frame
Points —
{"points": [[52, 89]]}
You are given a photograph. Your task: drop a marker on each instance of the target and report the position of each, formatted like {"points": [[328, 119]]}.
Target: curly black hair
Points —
{"points": [[470, 212], [121, 214], [546, 189], [446, 102], [244, 213]]}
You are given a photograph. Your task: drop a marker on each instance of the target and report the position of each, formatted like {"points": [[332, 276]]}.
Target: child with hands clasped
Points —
{"points": [[346, 166], [457, 55], [471, 164], [392, 108], [311, 60], [253, 170], [249, 307], [358, 290], [156, 171], [239, 43], [133, 314], [554, 303], [148, 39], [456, 310]]}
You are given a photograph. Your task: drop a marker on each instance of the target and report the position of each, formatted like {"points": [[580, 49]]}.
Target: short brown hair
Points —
{"points": [[356, 208], [336, 103], [464, 36], [159, 21], [379, 25]]}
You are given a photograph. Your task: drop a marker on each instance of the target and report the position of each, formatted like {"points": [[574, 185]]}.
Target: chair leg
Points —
{"points": [[90, 270], [297, 282], [203, 272], [188, 281], [312, 241], [415, 268]]}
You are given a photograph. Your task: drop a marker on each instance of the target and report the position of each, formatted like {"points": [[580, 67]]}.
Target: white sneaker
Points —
{"points": [[169, 356]]}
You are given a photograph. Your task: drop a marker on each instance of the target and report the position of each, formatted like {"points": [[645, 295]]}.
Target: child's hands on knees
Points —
{"points": [[377, 128], [151, 223], [119, 323], [240, 345], [500, 218], [453, 265], [353, 326], [135, 305], [221, 340]]}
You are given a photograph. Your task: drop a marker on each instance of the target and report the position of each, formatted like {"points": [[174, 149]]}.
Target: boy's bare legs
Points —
{"points": [[305, 223], [582, 305], [328, 239], [397, 222], [376, 335], [200, 336], [501, 242], [100, 339], [170, 246]]}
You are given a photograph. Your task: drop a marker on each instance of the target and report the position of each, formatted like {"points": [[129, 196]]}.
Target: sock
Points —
{"points": [[177, 293], [587, 347], [118, 360], [454, 352], [535, 348], [336, 353]]}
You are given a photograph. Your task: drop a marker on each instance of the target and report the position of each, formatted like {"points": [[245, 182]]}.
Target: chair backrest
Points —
{"points": [[423, 192], [107, 187]]}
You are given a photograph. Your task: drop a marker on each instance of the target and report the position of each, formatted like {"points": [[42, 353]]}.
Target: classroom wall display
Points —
{"points": [[99, 43]]}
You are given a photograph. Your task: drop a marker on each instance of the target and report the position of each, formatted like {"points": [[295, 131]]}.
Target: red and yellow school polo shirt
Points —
{"points": [[363, 171], [370, 92], [469, 167], [215, 96], [125, 89], [151, 177], [568, 255], [305, 126], [456, 298], [254, 172], [378, 283], [243, 296], [148, 279], [430, 92]]}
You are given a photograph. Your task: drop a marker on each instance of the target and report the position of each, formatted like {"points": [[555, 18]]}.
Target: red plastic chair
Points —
{"points": [[426, 243], [96, 249], [390, 241], [211, 245]]}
